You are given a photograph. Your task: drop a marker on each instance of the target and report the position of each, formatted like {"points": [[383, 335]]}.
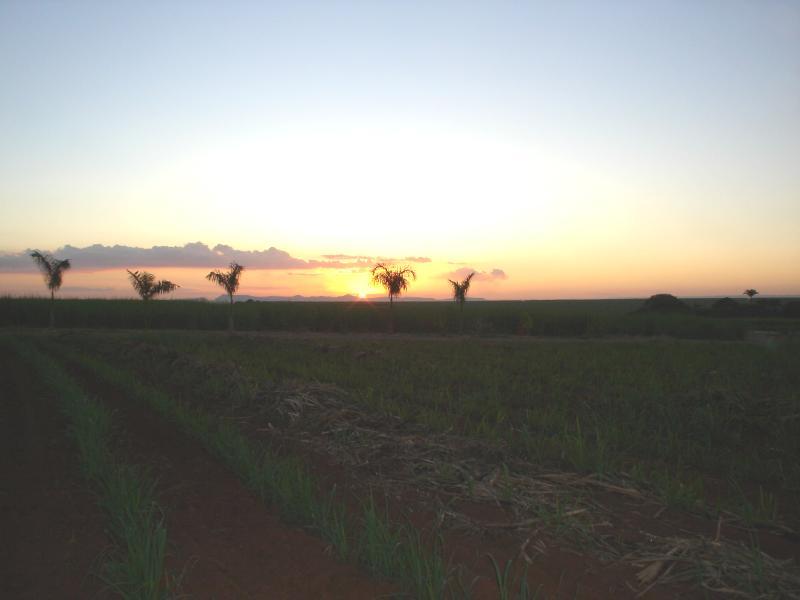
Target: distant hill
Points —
{"points": [[298, 298]]}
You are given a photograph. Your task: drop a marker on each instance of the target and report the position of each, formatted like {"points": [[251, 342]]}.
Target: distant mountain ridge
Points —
{"points": [[344, 298]]}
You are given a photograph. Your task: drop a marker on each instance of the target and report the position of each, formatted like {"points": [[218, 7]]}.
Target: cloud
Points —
{"points": [[412, 259], [373, 259], [493, 275], [345, 257], [196, 254]]}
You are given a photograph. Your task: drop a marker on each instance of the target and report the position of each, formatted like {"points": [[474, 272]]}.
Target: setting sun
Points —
{"points": [[272, 260]]}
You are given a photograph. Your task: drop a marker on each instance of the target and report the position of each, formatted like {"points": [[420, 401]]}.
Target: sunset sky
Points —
{"points": [[559, 149]]}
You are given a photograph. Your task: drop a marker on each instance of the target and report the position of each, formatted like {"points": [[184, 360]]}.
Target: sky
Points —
{"points": [[559, 149]]}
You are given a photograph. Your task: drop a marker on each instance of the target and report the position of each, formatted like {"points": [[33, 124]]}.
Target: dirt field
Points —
{"points": [[226, 542], [474, 499], [223, 541], [52, 527]]}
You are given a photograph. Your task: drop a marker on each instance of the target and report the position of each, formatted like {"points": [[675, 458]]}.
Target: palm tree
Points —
{"points": [[394, 281], [229, 280], [750, 293], [460, 290], [53, 271], [146, 286]]}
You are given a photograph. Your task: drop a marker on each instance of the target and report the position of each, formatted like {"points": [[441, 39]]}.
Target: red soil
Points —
{"points": [[559, 573], [52, 529], [227, 541], [561, 569]]}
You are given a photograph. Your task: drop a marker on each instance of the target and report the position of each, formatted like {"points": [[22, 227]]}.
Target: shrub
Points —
{"points": [[664, 303]]}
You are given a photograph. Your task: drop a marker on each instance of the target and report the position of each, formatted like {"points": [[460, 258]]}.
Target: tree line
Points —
{"points": [[395, 280]]}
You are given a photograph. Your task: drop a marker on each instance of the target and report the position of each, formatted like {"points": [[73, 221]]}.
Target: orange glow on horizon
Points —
{"points": [[577, 269]]}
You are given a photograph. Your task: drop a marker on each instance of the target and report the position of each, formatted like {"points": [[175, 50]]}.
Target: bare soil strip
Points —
{"points": [[228, 542], [52, 529], [379, 456], [391, 461], [610, 540], [583, 536], [579, 536]]}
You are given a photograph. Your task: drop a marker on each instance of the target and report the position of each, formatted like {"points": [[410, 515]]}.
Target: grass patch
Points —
{"points": [[135, 568], [668, 413], [506, 583], [395, 551], [529, 317]]}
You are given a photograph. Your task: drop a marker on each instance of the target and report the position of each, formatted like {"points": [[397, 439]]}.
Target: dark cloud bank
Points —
{"points": [[197, 254]]}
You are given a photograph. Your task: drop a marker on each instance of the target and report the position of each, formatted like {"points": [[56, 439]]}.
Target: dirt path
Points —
{"points": [[230, 544], [50, 525]]}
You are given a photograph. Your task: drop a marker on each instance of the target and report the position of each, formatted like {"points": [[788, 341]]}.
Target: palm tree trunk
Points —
{"points": [[391, 314], [230, 315], [461, 317], [52, 309]]}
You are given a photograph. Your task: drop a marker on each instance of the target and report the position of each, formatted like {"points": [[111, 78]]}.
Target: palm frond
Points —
{"points": [[165, 287], [52, 269], [461, 288], [141, 282], [56, 279], [467, 280], [379, 272], [44, 261], [146, 285], [393, 280], [228, 280], [217, 277]]}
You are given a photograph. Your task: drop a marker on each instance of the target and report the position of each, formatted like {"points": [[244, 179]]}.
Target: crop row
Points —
{"points": [[669, 414], [724, 381], [135, 568], [393, 550], [541, 318]]}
